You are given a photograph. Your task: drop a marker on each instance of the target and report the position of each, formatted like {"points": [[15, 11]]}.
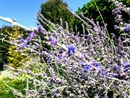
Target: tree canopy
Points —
{"points": [[53, 10]]}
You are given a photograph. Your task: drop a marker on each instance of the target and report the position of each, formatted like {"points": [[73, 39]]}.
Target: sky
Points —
{"points": [[24, 11]]}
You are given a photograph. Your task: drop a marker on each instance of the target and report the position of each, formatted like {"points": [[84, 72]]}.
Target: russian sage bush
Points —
{"points": [[87, 66]]}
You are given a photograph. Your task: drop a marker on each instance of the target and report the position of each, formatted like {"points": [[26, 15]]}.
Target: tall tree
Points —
{"points": [[54, 10]]}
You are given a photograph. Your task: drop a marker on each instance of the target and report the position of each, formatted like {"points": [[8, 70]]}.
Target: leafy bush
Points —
{"points": [[3, 46], [15, 58], [8, 82], [90, 66], [8, 54]]}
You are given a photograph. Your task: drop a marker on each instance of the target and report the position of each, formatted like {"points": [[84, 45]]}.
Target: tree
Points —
{"points": [[89, 10], [53, 10]]}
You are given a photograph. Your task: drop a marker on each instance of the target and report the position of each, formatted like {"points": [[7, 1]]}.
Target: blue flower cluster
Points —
{"points": [[126, 28]]}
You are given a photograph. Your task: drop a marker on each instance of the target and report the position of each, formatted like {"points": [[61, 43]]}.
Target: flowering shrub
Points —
{"points": [[90, 66], [119, 23]]}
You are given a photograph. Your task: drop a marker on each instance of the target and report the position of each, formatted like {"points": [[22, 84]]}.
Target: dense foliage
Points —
{"points": [[8, 82], [55, 11], [15, 58], [88, 66], [105, 6], [4, 45], [8, 54]]}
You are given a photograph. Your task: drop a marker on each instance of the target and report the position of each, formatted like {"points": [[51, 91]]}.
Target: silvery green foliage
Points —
{"points": [[85, 66]]}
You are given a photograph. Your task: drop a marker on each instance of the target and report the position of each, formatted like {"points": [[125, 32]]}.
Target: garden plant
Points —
{"points": [[63, 64]]}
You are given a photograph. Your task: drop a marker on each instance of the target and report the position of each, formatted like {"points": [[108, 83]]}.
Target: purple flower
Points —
{"points": [[22, 46], [96, 96], [119, 41], [115, 75], [126, 69], [53, 41], [32, 35], [97, 64], [37, 47], [60, 56], [42, 53], [28, 39], [116, 3], [54, 92], [40, 29], [117, 12], [81, 55], [22, 40], [73, 66], [82, 63], [118, 68], [117, 20], [116, 27], [87, 68], [112, 74], [126, 64], [24, 43], [104, 74], [71, 49], [126, 29], [100, 68], [48, 59]]}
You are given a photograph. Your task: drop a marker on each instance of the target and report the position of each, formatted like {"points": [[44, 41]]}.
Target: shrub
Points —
{"points": [[15, 58], [8, 82], [7, 48], [3, 46], [89, 66]]}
